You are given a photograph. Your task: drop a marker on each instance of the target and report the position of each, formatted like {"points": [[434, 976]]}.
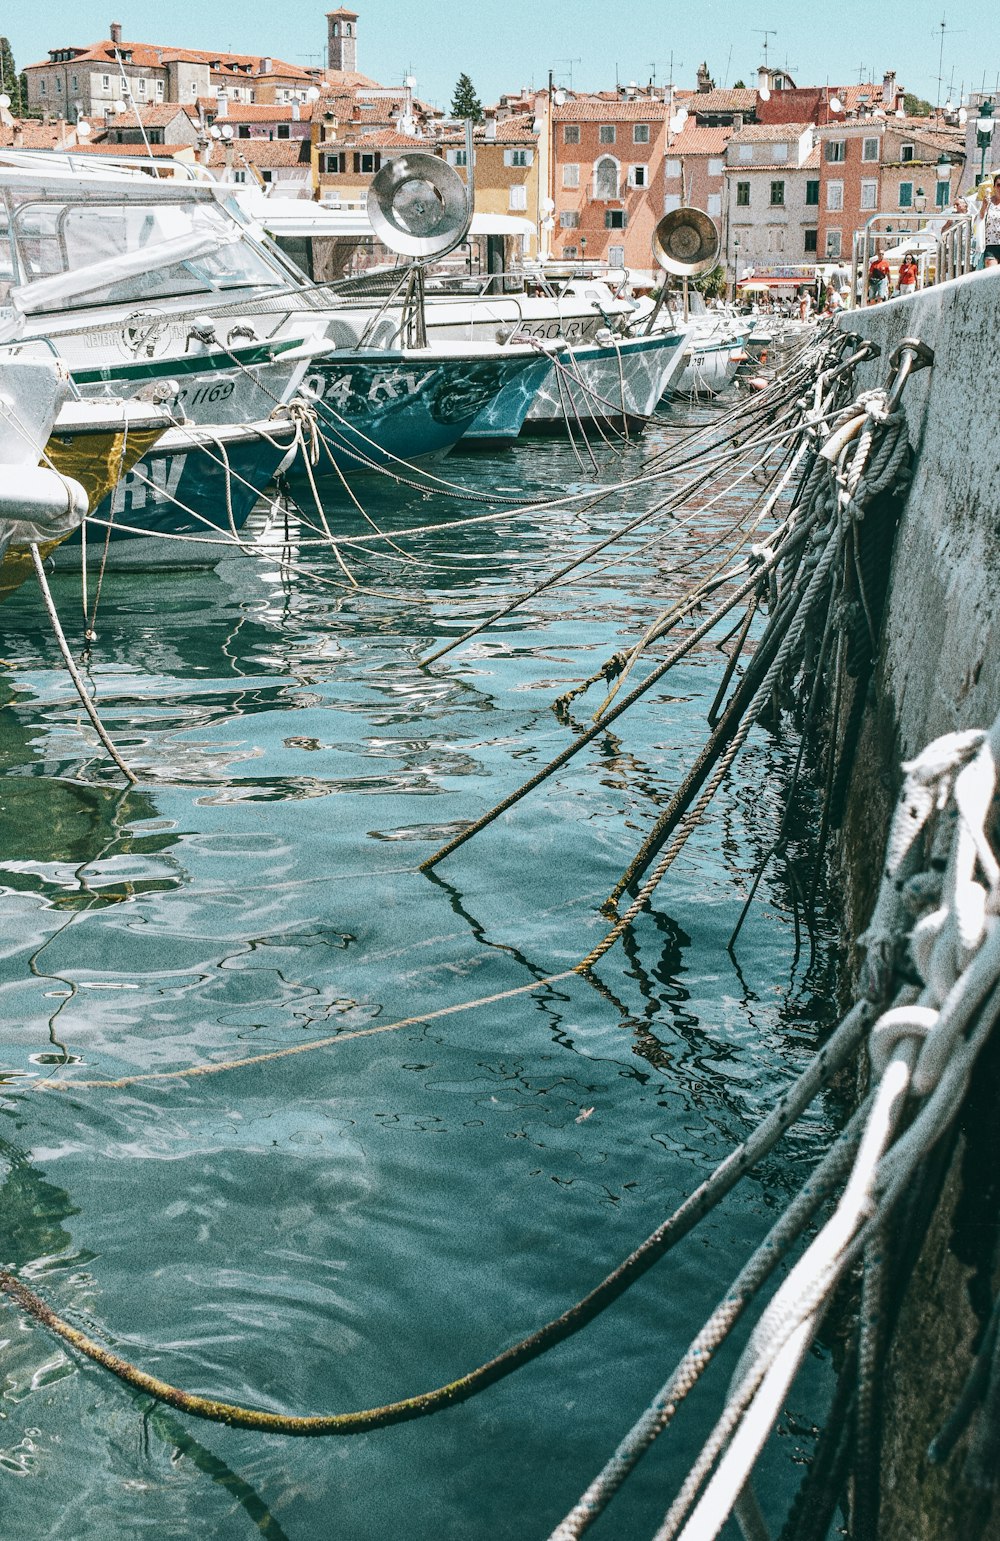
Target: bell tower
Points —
{"points": [[342, 40]]}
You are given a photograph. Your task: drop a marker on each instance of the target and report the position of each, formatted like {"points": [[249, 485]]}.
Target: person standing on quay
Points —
{"points": [[989, 213], [908, 274]]}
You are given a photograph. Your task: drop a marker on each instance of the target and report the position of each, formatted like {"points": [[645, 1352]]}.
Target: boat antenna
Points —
{"points": [[127, 96]]}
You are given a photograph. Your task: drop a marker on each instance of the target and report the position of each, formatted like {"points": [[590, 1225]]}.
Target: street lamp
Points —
{"points": [[984, 134], [943, 181]]}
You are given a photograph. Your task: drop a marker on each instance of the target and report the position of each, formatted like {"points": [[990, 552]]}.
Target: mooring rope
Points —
{"points": [[825, 1065], [943, 926]]}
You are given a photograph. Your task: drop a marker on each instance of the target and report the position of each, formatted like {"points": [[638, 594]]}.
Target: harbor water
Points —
{"points": [[340, 1228]]}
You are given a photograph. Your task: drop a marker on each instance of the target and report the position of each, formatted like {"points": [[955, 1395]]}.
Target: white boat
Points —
{"points": [[39, 506], [161, 290]]}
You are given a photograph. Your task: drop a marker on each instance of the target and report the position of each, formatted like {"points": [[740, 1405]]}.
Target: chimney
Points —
{"points": [[265, 66], [296, 115], [763, 78], [116, 32], [889, 90]]}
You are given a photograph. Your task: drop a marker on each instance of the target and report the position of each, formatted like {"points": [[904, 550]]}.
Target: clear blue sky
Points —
{"points": [[516, 42]]}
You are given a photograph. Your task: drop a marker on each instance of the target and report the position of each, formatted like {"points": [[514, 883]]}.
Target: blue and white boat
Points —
{"points": [[186, 502]]}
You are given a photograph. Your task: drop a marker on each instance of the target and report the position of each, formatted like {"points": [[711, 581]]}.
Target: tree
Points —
{"points": [[739, 85], [916, 107], [11, 82], [712, 285], [465, 103]]}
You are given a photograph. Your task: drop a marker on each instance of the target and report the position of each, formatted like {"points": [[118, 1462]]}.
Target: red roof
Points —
{"points": [[262, 152], [158, 150], [157, 55], [741, 99], [33, 135], [693, 140], [260, 112], [629, 109], [389, 138]]}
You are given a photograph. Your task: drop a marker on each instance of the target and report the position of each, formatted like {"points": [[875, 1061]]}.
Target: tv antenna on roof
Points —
{"points": [[765, 33], [946, 31], [571, 63]]}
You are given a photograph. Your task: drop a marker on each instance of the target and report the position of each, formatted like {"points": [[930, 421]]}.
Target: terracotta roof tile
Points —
{"points": [[768, 133], [693, 140], [741, 99], [262, 152], [259, 112], [156, 115], [156, 55], [32, 134], [588, 110], [159, 151]]}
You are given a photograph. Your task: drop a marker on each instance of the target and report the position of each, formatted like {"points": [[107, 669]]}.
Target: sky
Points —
{"points": [[504, 46]]}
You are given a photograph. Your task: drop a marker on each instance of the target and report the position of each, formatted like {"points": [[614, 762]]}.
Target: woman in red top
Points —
{"points": [[908, 274]]}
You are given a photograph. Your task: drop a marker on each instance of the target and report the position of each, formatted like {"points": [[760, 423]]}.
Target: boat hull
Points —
{"points": [[405, 407], [192, 484], [615, 386]]}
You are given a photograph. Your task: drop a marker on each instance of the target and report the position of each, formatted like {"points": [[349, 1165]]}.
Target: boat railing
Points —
{"points": [[943, 247]]}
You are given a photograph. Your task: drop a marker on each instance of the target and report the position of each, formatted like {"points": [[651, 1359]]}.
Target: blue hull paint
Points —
{"points": [[148, 497], [502, 420], [375, 412]]}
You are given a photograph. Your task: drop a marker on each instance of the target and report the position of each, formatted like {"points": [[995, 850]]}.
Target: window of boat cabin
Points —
{"points": [[640, 133], [129, 251], [606, 133], [571, 133]]}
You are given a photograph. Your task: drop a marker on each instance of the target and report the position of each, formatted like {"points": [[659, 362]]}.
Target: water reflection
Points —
{"points": [[337, 1227]]}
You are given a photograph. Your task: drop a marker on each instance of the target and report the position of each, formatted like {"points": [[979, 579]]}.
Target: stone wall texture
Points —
{"points": [[939, 670]]}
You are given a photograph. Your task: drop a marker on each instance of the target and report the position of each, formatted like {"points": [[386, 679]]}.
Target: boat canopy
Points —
{"points": [[66, 244]]}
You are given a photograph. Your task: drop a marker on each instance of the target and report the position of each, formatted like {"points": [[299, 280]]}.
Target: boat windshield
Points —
{"points": [[73, 254]]}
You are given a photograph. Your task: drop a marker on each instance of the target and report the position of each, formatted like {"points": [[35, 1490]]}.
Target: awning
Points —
{"points": [[500, 224]]}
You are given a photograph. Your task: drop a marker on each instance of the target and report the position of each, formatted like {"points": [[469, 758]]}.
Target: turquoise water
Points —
{"points": [[341, 1228]]}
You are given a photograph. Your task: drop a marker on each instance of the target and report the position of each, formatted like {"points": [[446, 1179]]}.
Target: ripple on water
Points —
{"points": [[370, 1218]]}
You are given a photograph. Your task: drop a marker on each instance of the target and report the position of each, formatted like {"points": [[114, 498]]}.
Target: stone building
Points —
{"points": [[342, 41], [75, 82], [772, 196]]}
